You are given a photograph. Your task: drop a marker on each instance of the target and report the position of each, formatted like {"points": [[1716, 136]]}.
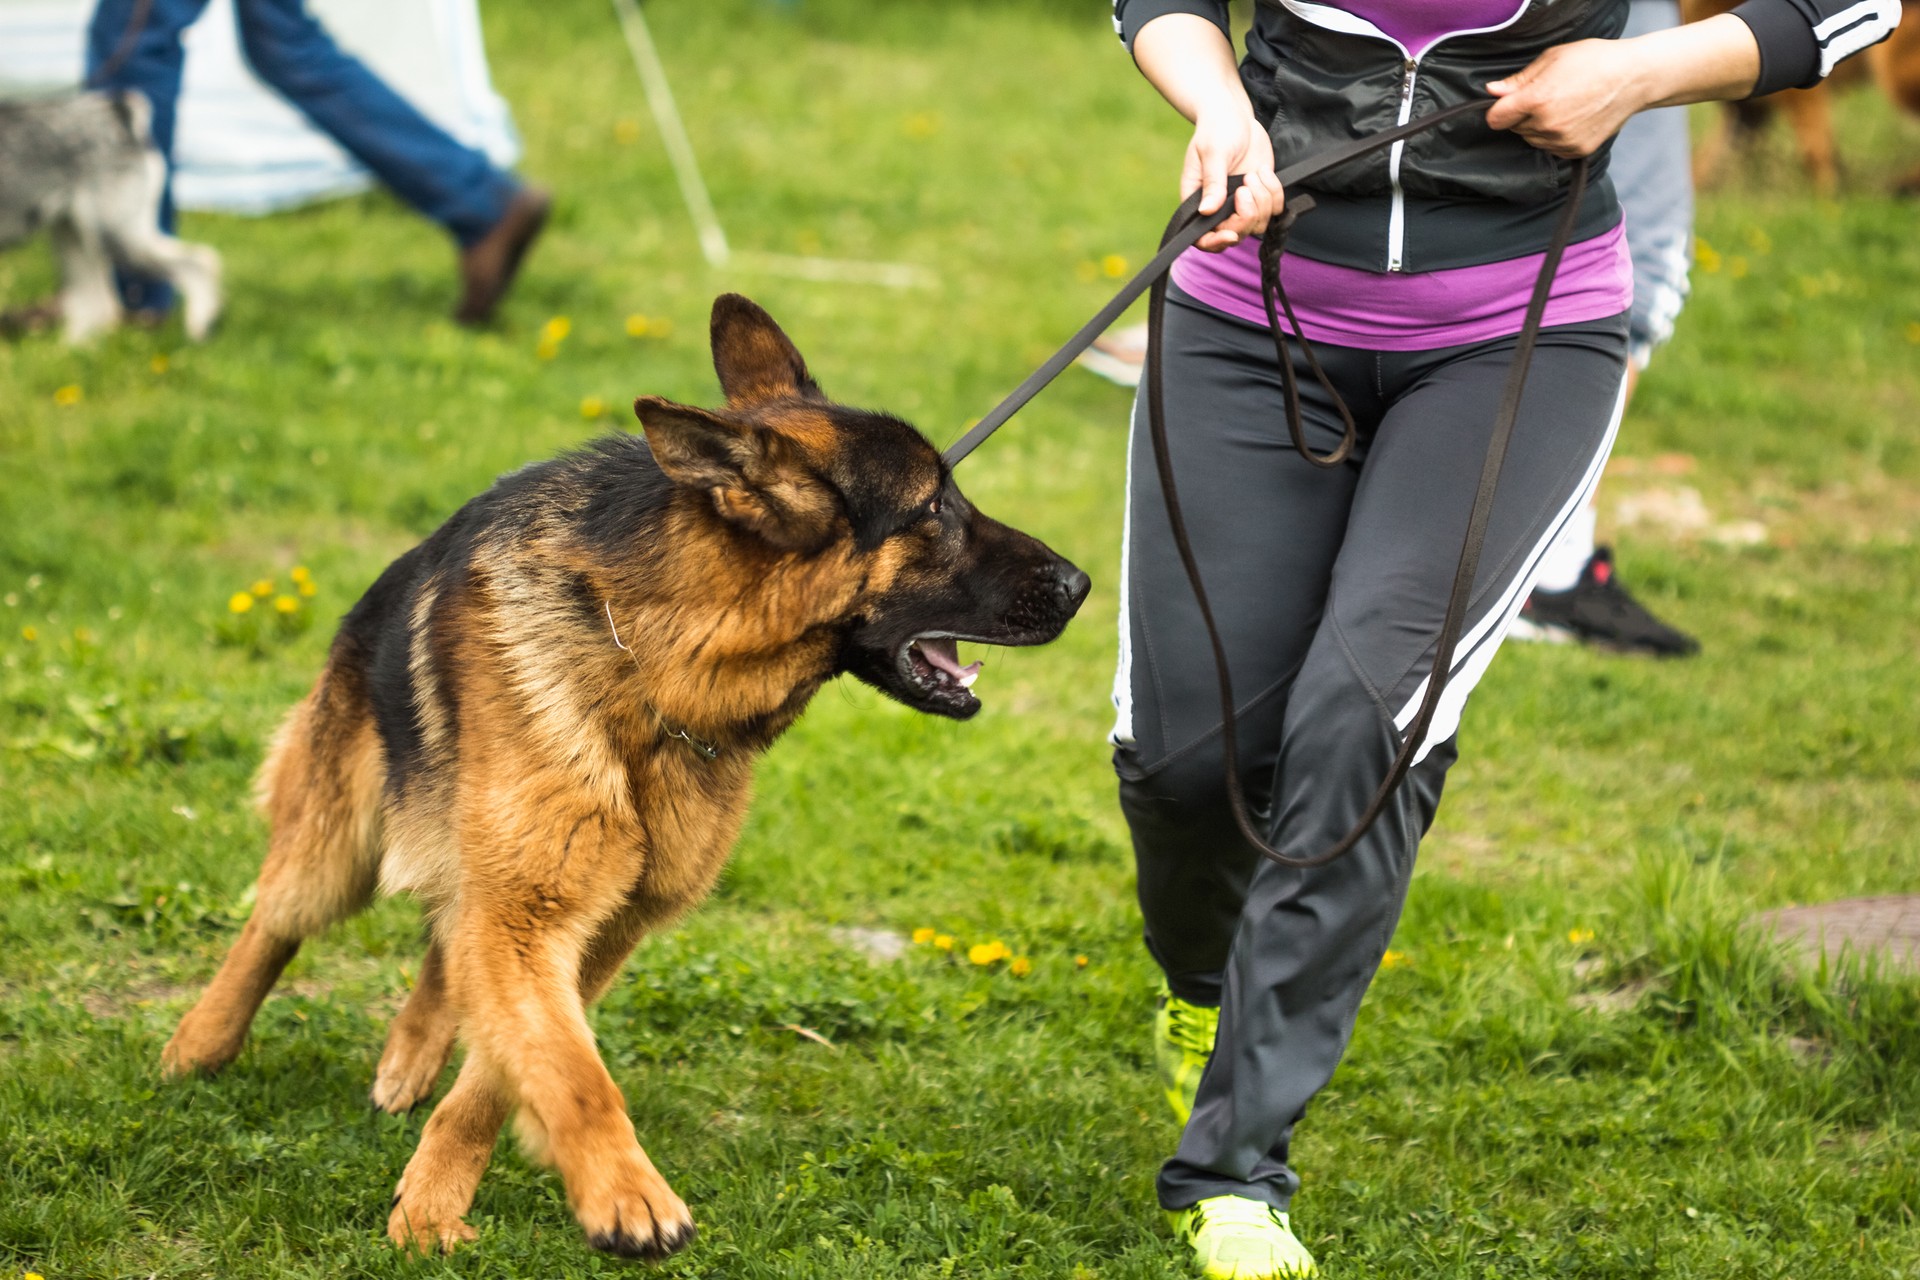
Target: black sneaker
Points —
{"points": [[1600, 612]]}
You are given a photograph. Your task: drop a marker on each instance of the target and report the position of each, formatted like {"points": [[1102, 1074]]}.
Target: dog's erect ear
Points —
{"points": [[755, 360], [697, 449], [753, 475]]}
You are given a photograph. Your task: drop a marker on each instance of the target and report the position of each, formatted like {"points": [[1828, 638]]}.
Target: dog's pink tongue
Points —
{"points": [[944, 653]]}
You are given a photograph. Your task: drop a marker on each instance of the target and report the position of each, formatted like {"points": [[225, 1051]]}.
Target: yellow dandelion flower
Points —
{"points": [[240, 602], [921, 124], [29, 634], [263, 587], [286, 604], [33, 1275], [556, 329], [592, 407], [159, 364], [637, 325], [988, 952], [1578, 936], [1020, 967], [626, 132], [1737, 267], [943, 941], [299, 573], [922, 936], [1113, 266], [1079, 962], [1913, 332], [82, 635], [68, 396], [1705, 256], [309, 588], [1393, 959], [547, 350]]}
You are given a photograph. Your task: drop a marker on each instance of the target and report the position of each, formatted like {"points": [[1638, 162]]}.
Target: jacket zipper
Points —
{"points": [[1397, 216]]}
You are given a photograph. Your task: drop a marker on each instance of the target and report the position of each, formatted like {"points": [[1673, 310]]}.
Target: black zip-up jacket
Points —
{"points": [[1461, 195]]}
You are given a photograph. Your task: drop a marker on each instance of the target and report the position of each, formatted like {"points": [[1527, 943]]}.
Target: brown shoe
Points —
{"points": [[488, 265]]}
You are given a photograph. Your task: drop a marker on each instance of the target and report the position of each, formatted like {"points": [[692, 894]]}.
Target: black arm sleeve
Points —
{"points": [[1131, 15], [1801, 41]]}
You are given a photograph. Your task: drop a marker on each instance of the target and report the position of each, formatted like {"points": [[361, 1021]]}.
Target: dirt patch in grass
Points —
{"points": [[110, 1004], [1667, 497]]}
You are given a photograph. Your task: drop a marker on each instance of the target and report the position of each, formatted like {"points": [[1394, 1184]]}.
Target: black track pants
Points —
{"points": [[1329, 587]]}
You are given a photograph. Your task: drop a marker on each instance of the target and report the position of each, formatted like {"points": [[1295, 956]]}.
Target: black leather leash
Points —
{"points": [[1186, 227], [1193, 225]]}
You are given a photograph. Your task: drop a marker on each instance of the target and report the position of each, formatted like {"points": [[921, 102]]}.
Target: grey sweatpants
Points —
{"points": [[1329, 587], [1652, 171]]}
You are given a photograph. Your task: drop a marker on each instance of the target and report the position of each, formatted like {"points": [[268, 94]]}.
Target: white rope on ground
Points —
{"points": [[693, 187]]}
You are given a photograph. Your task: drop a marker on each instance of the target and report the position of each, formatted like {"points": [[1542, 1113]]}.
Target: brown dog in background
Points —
{"points": [[543, 722], [1894, 62]]}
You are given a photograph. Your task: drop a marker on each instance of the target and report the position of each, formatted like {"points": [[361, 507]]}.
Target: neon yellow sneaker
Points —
{"points": [[1182, 1042], [1234, 1238]]}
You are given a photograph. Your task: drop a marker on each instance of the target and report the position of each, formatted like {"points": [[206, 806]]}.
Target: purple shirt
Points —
{"points": [[1417, 24], [1402, 311], [1399, 311]]}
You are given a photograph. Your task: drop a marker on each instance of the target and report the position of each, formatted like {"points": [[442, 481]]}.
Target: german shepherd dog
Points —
{"points": [[543, 722]]}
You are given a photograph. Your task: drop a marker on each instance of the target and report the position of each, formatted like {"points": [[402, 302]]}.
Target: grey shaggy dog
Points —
{"points": [[84, 166]]}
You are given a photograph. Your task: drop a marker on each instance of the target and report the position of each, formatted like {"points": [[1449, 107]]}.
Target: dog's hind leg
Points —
{"points": [[320, 788], [430, 1204], [1810, 112], [89, 303], [419, 1042], [131, 215]]}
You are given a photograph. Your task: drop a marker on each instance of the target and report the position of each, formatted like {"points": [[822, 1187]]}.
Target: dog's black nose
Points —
{"points": [[1071, 585]]}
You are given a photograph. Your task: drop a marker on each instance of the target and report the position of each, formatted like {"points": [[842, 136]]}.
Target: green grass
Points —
{"points": [[1716, 1115]]}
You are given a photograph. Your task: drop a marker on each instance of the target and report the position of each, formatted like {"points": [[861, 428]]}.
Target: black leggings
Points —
{"points": [[1329, 587]]}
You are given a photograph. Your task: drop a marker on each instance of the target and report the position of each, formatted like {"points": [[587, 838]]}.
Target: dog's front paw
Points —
{"points": [[414, 1229], [428, 1211], [635, 1214], [199, 1047]]}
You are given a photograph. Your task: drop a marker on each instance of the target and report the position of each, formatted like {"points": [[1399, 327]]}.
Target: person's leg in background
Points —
{"points": [[1308, 942], [492, 216], [1580, 595], [149, 31]]}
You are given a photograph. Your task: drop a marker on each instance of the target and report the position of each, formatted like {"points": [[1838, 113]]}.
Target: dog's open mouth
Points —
{"points": [[932, 664]]}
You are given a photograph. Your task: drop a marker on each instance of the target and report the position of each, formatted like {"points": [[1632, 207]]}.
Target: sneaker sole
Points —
{"points": [[1539, 633]]}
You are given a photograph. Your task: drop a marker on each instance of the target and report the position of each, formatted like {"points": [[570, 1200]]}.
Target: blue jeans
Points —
{"points": [[454, 185]]}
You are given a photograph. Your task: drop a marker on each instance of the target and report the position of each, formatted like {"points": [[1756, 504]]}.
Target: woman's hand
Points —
{"points": [[1573, 97], [1189, 60], [1227, 142]]}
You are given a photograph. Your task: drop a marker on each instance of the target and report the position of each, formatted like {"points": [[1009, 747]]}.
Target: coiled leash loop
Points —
{"points": [[1186, 227]]}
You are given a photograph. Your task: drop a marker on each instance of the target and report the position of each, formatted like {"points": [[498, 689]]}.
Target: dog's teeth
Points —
{"points": [[966, 681]]}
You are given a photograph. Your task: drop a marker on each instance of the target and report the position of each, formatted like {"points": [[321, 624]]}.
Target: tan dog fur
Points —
{"points": [[558, 808]]}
